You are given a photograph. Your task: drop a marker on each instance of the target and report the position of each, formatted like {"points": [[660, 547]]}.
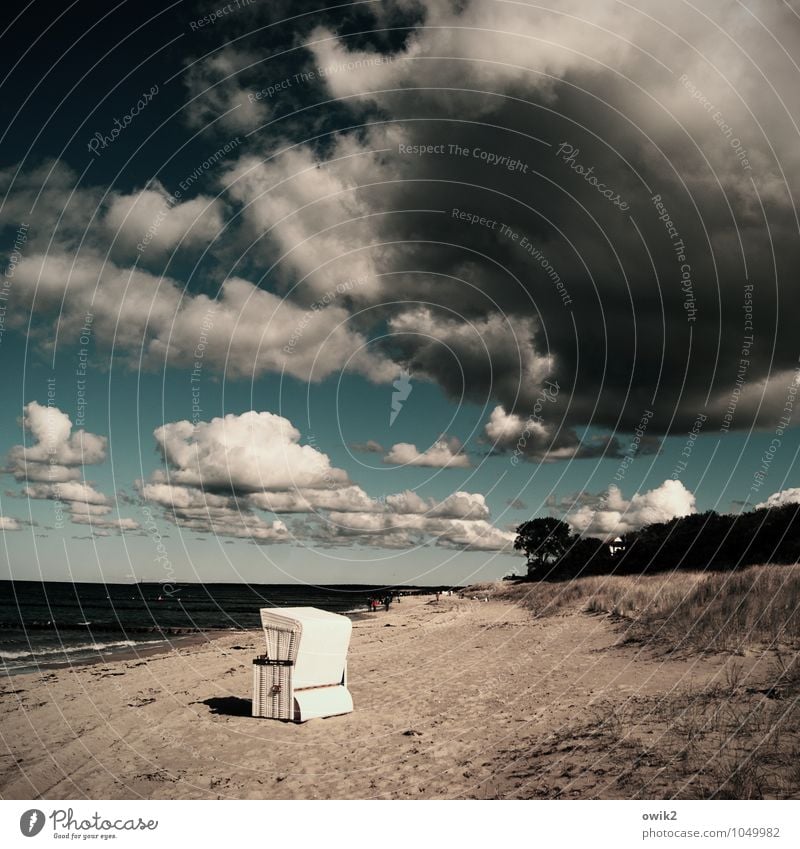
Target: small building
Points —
{"points": [[616, 546]]}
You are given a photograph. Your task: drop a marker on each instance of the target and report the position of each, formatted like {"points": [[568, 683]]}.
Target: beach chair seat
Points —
{"points": [[303, 674]]}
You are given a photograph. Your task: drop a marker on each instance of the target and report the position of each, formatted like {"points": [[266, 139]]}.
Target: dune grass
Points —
{"points": [[712, 611], [736, 737]]}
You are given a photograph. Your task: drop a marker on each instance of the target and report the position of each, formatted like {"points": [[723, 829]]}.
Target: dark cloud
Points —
{"points": [[368, 447], [656, 291], [597, 189]]}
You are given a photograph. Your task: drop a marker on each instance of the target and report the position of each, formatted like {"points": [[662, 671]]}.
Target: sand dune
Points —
{"points": [[457, 699]]}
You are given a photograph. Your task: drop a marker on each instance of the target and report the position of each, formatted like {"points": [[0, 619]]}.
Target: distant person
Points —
{"points": [[387, 602]]}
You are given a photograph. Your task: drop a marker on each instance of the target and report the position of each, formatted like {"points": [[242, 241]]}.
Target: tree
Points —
{"points": [[543, 541]]}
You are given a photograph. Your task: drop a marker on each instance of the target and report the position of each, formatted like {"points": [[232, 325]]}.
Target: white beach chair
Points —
{"points": [[303, 674]]}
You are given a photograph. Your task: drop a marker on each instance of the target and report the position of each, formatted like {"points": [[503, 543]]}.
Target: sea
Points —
{"points": [[49, 624]]}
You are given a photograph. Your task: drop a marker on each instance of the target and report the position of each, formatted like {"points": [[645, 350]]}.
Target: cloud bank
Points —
{"points": [[219, 477]]}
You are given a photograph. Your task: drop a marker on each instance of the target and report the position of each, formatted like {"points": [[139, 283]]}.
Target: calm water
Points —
{"points": [[47, 623]]}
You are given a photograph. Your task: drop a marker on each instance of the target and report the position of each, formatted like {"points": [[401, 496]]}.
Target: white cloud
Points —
{"points": [[781, 499], [9, 524], [182, 497], [504, 45], [250, 452], [311, 210], [57, 453], [462, 505], [442, 454], [457, 505], [409, 529], [248, 331], [251, 331], [531, 439], [99, 525], [346, 499], [75, 491], [407, 501], [233, 523], [222, 515], [128, 306], [52, 467], [458, 521], [535, 440], [505, 429], [220, 473], [474, 535], [149, 219], [613, 514], [85, 505]]}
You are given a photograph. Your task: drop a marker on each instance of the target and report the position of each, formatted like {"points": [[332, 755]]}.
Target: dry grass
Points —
{"points": [[723, 742], [717, 611], [734, 738], [737, 739]]}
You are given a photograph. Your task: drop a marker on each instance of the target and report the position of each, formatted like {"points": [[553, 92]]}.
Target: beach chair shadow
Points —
{"points": [[229, 706]]}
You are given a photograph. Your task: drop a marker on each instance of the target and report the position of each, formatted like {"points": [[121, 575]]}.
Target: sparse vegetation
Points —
{"points": [[737, 736], [707, 611]]}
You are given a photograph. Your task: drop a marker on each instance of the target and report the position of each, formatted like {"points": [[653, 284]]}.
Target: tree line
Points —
{"points": [[701, 541]]}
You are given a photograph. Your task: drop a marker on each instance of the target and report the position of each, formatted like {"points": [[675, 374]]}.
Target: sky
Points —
{"points": [[344, 293]]}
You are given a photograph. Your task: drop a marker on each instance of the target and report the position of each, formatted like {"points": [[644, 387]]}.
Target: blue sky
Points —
{"points": [[300, 214]]}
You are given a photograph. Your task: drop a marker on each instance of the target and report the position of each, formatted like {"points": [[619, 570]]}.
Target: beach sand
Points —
{"points": [[457, 699]]}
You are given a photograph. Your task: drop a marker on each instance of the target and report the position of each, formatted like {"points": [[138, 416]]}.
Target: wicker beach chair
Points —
{"points": [[303, 674]]}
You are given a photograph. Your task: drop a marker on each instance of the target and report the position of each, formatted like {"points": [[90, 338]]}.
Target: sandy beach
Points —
{"points": [[457, 699]]}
